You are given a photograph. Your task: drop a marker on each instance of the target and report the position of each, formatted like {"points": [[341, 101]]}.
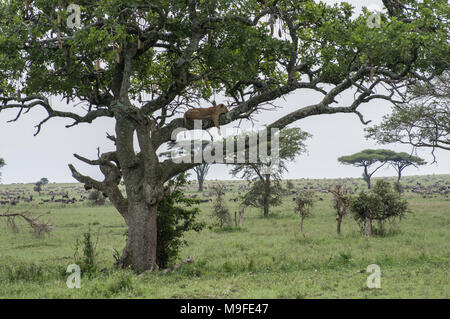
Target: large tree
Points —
{"points": [[265, 175], [141, 63], [370, 160]]}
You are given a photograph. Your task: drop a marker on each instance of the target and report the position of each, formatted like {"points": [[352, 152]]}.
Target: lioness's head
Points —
{"points": [[222, 108]]}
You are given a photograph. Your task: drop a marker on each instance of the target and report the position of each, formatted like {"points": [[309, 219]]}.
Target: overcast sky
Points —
{"points": [[30, 158]]}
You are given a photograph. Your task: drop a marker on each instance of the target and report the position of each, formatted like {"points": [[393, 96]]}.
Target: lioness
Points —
{"points": [[204, 113]]}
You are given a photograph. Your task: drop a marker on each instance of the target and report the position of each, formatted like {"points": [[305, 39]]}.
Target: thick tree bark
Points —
{"points": [[141, 247], [144, 192]]}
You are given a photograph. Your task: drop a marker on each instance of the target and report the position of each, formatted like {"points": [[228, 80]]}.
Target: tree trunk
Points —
{"points": [[266, 195], [339, 221], [399, 175], [200, 184], [140, 250], [301, 227], [367, 177]]}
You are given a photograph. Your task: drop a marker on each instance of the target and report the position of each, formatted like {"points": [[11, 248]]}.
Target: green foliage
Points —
{"points": [[289, 185], [87, 259], [367, 157], [176, 215], [304, 203], [96, 197], [291, 144], [220, 209], [398, 187], [260, 192], [38, 186], [404, 159], [267, 260], [341, 199], [381, 204], [329, 38], [422, 123], [264, 179]]}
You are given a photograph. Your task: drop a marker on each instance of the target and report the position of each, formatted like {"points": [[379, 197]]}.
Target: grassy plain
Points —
{"points": [[265, 258]]}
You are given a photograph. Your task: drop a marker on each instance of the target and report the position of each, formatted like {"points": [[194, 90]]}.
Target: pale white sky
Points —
{"points": [[29, 158]]}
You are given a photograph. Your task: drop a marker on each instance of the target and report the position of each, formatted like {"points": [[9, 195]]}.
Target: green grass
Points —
{"points": [[266, 258]]}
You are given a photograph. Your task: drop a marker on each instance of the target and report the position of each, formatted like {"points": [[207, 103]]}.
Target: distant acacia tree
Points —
{"points": [[38, 185], [367, 159], [2, 163], [402, 160], [265, 187], [201, 171], [424, 121]]}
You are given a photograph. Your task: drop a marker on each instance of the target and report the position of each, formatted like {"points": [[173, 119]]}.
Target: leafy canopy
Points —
{"points": [[367, 157], [382, 203], [424, 121]]}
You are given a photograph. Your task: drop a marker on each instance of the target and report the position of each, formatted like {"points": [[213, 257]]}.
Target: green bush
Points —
{"points": [[87, 261], [381, 204], [220, 209], [176, 215]]}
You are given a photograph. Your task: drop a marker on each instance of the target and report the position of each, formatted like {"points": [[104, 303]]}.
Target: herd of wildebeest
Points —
{"points": [[15, 194]]}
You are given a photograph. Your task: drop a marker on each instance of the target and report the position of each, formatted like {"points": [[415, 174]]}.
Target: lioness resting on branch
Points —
{"points": [[204, 113]]}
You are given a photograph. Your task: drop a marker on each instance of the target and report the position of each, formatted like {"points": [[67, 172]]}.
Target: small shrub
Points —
{"points": [[341, 201], [120, 283], [176, 215], [220, 210], [303, 204], [87, 261]]}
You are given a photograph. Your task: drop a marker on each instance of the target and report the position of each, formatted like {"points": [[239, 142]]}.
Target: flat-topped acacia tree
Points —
{"points": [[370, 160], [141, 63], [402, 160]]}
